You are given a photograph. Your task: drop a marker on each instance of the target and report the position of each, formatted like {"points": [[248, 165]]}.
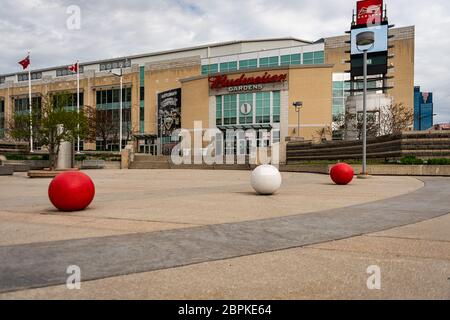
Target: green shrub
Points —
{"points": [[411, 160], [80, 157], [439, 162]]}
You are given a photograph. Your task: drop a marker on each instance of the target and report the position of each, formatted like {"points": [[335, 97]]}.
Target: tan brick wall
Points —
{"points": [[312, 86], [162, 77], [403, 61]]}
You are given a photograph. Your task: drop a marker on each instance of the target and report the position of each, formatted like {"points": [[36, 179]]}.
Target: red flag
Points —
{"points": [[73, 68], [25, 62]]}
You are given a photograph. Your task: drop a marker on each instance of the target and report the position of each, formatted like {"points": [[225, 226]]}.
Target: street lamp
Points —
{"points": [[364, 42], [298, 105], [120, 75]]}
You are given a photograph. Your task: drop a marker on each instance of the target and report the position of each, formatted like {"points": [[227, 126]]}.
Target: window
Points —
{"points": [[269, 62], [219, 110], [123, 63], [21, 105], [248, 64], [293, 59], [142, 76], [2, 80], [24, 76], [263, 107], [230, 109], [71, 102], [276, 106], [228, 66], [210, 69], [340, 95], [66, 72], [246, 99], [317, 57], [108, 113]]}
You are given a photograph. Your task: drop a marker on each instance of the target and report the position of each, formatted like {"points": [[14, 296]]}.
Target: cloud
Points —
{"points": [[112, 28]]}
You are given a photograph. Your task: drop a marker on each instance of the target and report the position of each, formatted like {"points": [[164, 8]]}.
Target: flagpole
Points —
{"points": [[78, 105], [30, 103]]}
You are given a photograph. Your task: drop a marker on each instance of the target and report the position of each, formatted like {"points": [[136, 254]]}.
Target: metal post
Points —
{"points": [[78, 106], [30, 101], [121, 107], [364, 164], [298, 122]]}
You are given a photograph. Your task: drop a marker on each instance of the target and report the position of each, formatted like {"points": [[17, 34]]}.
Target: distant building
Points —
{"points": [[442, 126], [423, 110]]}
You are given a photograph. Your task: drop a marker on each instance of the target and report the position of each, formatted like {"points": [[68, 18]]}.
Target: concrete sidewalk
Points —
{"points": [[198, 235], [414, 262]]}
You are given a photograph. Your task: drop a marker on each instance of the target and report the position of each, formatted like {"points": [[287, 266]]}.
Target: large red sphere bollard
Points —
{"points": [[342, 174], [71, 191]]}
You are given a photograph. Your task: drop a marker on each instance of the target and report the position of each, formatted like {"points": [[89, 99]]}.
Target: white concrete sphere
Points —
{"points": [[266, 180]]}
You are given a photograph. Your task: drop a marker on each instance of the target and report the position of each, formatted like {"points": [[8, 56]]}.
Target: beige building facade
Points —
{"points": [[309, 70]]}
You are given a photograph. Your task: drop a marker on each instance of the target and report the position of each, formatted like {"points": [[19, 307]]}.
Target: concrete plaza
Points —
{"points": [[192, 234]]}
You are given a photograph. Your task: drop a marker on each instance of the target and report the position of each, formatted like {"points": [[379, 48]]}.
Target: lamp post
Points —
{"points": [[298, 105], [364, 42]]}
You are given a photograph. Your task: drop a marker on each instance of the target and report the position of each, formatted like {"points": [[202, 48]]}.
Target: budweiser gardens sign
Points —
{"points": [[221, 84]]}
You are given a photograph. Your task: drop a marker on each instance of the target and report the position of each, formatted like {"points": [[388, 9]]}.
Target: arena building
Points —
{"points": [[249, 84]]}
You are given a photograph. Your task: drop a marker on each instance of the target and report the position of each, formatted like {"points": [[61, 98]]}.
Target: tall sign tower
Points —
{"points": [[370, 17]]}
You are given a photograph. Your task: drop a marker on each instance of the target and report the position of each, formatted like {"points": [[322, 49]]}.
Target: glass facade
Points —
{"points": [[108, 118], [21, 105], [248, 108], [423, 110], [244, 117], [246, 111], [340, 95], [317, 57], [71, 104]]}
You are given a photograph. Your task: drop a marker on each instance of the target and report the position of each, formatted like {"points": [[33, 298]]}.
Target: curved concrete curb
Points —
{"points": [[45, 264]]}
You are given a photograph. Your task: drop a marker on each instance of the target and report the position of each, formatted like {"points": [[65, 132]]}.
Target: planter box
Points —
{"points": [[377, 170]]}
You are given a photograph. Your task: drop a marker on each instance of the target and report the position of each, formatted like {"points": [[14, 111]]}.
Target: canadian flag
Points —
{"points": [[73, 68], [25, 62]]}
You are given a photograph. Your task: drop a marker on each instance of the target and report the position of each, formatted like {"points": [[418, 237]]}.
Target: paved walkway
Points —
{"points": [[44, 264]]}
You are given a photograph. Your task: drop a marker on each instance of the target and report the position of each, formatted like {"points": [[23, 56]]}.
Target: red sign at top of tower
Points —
{"points": [[370, 12]]}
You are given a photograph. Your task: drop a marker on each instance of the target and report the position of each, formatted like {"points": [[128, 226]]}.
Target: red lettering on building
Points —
{"points": [[222, 81]]}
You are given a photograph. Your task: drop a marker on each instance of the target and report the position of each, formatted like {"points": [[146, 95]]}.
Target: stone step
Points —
{"points": [[149, 165]]}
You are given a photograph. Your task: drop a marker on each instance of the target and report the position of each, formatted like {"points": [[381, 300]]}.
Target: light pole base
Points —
{"points": [[364, 176]]}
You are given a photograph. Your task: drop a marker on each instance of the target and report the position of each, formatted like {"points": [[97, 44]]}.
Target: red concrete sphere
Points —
{"points": [[71, 191], [342, 174]]}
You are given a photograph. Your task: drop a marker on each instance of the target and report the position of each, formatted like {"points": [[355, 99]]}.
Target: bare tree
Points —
{"points": [[395, 119], [53, 123], [324, 134]]}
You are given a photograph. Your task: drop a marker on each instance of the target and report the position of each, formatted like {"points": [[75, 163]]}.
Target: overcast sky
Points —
{"points": [[112, 28]]}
